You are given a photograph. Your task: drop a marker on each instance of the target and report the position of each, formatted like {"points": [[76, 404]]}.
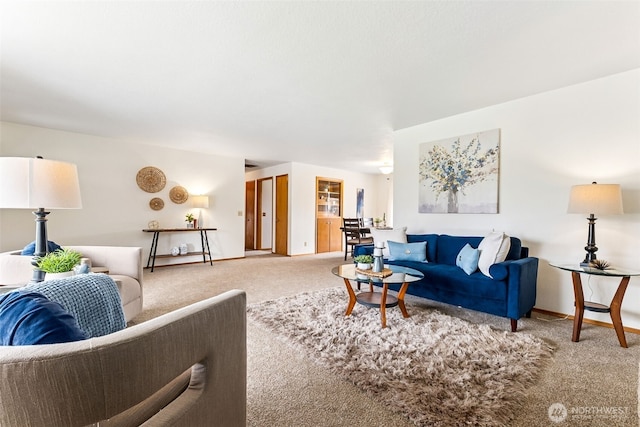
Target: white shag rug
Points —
{"points": [[435, 369]]}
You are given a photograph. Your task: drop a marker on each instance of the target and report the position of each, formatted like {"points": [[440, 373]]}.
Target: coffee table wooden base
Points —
{"points": [[381, 300]]}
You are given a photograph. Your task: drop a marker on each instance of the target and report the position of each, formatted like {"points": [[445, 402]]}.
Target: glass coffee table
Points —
{"points": [[381, 300]]}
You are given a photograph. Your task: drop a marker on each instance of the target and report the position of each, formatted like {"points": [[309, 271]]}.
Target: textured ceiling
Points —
{"points": [[314, 82]]}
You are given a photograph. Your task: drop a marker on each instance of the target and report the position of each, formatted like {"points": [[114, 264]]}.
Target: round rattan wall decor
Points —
{"points": [[151, 179], [156, 203], [178, 194]]}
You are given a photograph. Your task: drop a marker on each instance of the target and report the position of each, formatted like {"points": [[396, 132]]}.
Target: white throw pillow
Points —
{"points": [[493, 249], [395, 235]]}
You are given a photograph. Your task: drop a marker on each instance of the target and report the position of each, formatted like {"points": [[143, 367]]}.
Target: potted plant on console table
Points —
{"points": [[189, 220], [59, 263]]}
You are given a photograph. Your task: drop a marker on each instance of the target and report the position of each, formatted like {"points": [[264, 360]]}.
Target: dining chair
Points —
{"points": [[353, 235]]}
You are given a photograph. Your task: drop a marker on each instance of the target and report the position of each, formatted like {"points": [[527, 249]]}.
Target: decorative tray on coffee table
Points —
{"points": [[386, 272]]}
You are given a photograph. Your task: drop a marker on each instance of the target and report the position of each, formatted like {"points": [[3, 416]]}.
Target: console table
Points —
{"points": [[581, 305], [204, 244]]}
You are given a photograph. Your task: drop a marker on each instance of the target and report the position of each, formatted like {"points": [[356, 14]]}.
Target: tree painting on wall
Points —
{"points": [[359, 202], [460, 174]]}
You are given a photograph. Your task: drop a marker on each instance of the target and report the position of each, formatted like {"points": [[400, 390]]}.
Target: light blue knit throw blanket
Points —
{"points": [[93, 300]]}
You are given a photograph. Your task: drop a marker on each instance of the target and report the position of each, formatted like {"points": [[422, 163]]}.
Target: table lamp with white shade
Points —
{"points": [[37, 183], [200, 202], [594, 199]]}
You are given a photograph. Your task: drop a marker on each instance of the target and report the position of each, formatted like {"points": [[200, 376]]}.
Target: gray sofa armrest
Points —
{"points": [[93, 380]]}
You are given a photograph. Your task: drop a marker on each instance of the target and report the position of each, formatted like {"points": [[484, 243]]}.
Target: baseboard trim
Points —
{"points": [[589, 321]]}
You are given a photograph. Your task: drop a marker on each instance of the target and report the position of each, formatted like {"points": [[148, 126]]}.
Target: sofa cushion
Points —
{"points": [[493, 249], [431, 239], [468, 259], [395, 234], [128, 288], [407, 251], [449, 247], [500, 271], [515, 252], [30, 318], [450, 280]]}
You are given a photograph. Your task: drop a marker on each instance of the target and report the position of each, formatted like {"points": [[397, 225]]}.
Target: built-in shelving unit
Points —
{"points": [[328, 214]]}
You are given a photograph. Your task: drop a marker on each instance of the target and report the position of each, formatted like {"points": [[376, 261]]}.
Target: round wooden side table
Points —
{"points": [[581, 305]]}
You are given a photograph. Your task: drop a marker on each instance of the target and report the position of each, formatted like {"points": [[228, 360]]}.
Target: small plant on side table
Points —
{"points": [[600, 264], [60, 261]]}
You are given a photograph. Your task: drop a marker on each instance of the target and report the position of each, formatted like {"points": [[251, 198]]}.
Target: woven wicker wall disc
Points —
{"points": [[156, 203], [151, 179], [178, 194]]}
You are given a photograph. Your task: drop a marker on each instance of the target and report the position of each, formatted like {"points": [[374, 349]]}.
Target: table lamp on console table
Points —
{"points": [[36, 183], [200, 202]]}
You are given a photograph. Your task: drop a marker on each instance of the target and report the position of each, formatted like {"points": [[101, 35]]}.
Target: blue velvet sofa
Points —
{"points": [[510, 292]]}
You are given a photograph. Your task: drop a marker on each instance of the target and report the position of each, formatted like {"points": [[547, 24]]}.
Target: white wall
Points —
{"points": [[549, 142], [302, 187], [115, 209]]}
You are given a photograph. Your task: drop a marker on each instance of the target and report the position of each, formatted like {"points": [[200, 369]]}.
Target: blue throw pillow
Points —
{"points": [[29, 318], [30, 249], [467, 259], [407, 251]]}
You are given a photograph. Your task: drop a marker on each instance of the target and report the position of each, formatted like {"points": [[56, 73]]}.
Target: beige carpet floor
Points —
{"points": [[595, 380]]}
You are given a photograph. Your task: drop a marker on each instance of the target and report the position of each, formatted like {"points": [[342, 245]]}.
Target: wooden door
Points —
{"points": [[250, 215], [282, 214]]}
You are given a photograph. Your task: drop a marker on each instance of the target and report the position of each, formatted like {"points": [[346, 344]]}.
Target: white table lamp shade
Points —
{"points": [[31, 183], [200, 201], [599, 199]]}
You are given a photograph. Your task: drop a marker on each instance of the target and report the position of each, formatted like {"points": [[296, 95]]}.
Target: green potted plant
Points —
{"points": [[59, 263], [189, 219], [363, 262]]}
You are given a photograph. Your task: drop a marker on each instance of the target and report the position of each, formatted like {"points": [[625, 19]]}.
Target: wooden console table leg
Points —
{"points": [[352, 297], [579, 298], [616, 303]]}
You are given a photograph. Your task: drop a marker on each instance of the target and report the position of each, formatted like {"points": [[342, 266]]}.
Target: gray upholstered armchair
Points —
{"points": [[185, 368]]}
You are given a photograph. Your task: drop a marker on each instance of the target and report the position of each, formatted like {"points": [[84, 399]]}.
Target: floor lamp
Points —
{"points": [[36, 183], [592, 199]]}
